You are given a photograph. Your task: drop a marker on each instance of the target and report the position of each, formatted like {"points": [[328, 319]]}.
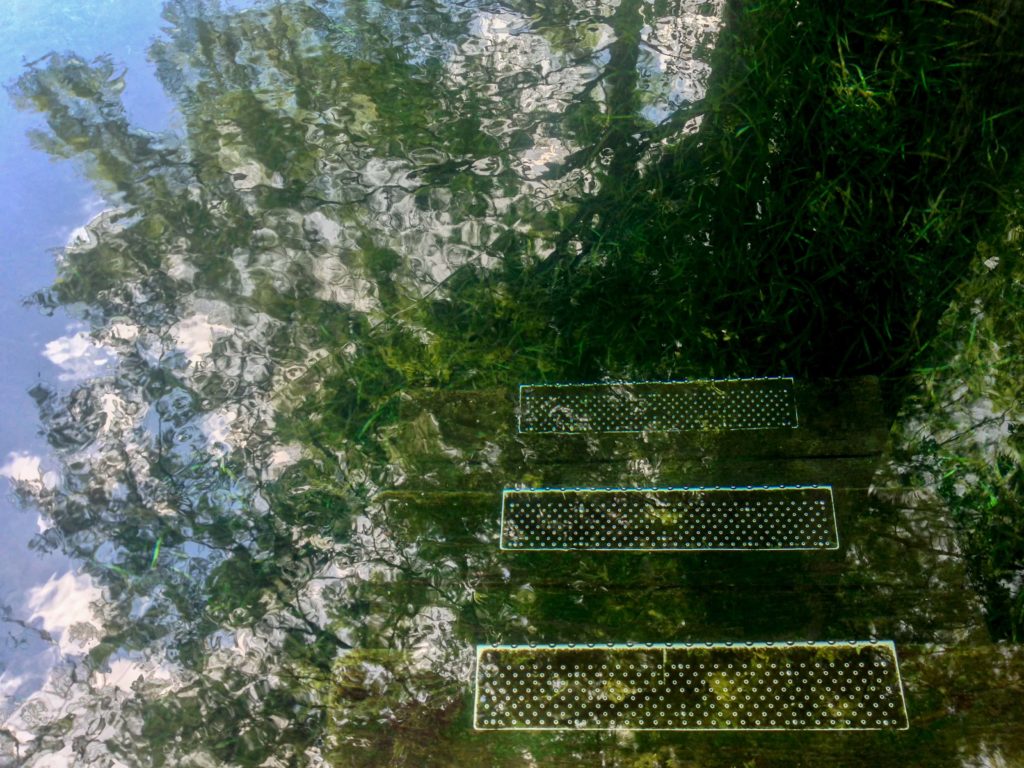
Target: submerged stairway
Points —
{"points": [[763, 490]]}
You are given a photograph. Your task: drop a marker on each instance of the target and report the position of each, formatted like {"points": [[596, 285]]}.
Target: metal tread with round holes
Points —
{"points": [[658, 406], [712, 686], [714, 518]]}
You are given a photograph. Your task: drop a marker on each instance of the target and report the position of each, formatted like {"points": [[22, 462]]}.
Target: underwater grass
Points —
{"points": [[961, 429], [844, 171]]}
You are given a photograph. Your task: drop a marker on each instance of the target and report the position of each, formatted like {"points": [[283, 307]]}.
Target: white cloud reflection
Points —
{"points": [[61, 605], [79, 356], [26, 469]]}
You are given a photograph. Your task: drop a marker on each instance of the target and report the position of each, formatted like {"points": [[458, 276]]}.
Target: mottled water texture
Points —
{"points": [[284, 426]]}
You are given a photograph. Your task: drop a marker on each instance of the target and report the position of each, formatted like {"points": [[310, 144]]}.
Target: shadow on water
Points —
{"points": [[379, 219]]}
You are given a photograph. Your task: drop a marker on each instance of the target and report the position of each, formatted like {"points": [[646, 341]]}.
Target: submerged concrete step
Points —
{"points": [[893, 575], [962, 702], [841, 418]]}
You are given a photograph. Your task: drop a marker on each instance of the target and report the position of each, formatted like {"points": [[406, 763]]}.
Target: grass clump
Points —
{"points": [[962, 433], [847, 163]]}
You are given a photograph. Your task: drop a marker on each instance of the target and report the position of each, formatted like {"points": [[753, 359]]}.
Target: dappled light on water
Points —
{"points": [[285, 413]]}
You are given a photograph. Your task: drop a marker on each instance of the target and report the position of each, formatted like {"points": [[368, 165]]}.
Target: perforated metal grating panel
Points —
{"points": [[776, 518], [712, 686], [761, 403]]}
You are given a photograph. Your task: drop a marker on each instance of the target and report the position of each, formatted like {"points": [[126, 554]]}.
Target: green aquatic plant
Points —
{"points": [[835, 191], [960, 434]]}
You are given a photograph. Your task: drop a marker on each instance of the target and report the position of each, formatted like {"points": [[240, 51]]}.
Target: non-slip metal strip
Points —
{"points": [[658, 406], [711, 686], [751, 518]]}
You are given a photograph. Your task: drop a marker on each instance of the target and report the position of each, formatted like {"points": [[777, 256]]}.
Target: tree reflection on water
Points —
{"points": [[356, 207]]}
